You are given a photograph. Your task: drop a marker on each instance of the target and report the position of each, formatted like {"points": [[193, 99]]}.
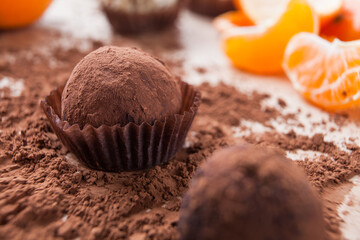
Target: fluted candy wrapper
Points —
{"points": [[128, 148]]}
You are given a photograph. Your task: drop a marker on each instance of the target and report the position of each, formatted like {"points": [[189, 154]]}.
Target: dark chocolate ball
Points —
{"points": [[114, 85], [246, 192]]}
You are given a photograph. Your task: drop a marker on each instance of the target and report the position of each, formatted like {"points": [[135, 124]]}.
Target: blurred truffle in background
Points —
{"points": [[211, 8], [246, 192], [131, 16]]}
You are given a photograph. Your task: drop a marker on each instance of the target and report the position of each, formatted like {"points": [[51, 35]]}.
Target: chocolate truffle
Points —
{"points": [[246, 192], [133, 16], [211, 8], [114, 85]]}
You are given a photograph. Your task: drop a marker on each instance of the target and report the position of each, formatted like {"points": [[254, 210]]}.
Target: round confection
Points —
{"points": [[211, 7], [133, 16], [245, 192], [114, 85]]}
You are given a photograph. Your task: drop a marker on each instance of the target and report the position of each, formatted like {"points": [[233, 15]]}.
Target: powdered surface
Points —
{"points": [[46, 194]]}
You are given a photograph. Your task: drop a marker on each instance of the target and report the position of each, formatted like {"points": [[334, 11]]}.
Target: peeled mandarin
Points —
{"points": [[260, 11], [229, 20], [20, 13], [260, 48], [346, 24], [325, 73]]}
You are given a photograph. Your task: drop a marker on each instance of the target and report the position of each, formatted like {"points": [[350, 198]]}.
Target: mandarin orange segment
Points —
{"points": [[20, 13], [260, 11], [237, 18], [227, 21], [260, 48], [326, 9], [237, 4], [346, 24], [326, 74]]}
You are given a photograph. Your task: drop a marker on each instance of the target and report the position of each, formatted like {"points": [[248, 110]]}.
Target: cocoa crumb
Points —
{"points": [[282, 103]]}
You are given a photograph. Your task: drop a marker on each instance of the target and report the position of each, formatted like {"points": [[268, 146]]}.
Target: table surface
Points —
{"points": [[80, 22]]}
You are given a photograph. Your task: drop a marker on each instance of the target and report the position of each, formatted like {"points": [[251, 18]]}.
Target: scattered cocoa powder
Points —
{"points": [[46, 194], [200, 70], [282, 103], [334, 167]]}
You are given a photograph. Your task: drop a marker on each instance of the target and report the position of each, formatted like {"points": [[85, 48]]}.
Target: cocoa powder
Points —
{"points": [[46, 194]]}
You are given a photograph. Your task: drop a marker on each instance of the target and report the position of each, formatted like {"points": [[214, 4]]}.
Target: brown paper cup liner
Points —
{"points": [[128, 148], [211, 8], [131, 23]]}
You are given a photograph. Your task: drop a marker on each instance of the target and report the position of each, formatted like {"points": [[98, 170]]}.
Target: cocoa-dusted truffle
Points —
{"points": [[113, 85], [211, 8], [247, 192], [133, 16]]}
